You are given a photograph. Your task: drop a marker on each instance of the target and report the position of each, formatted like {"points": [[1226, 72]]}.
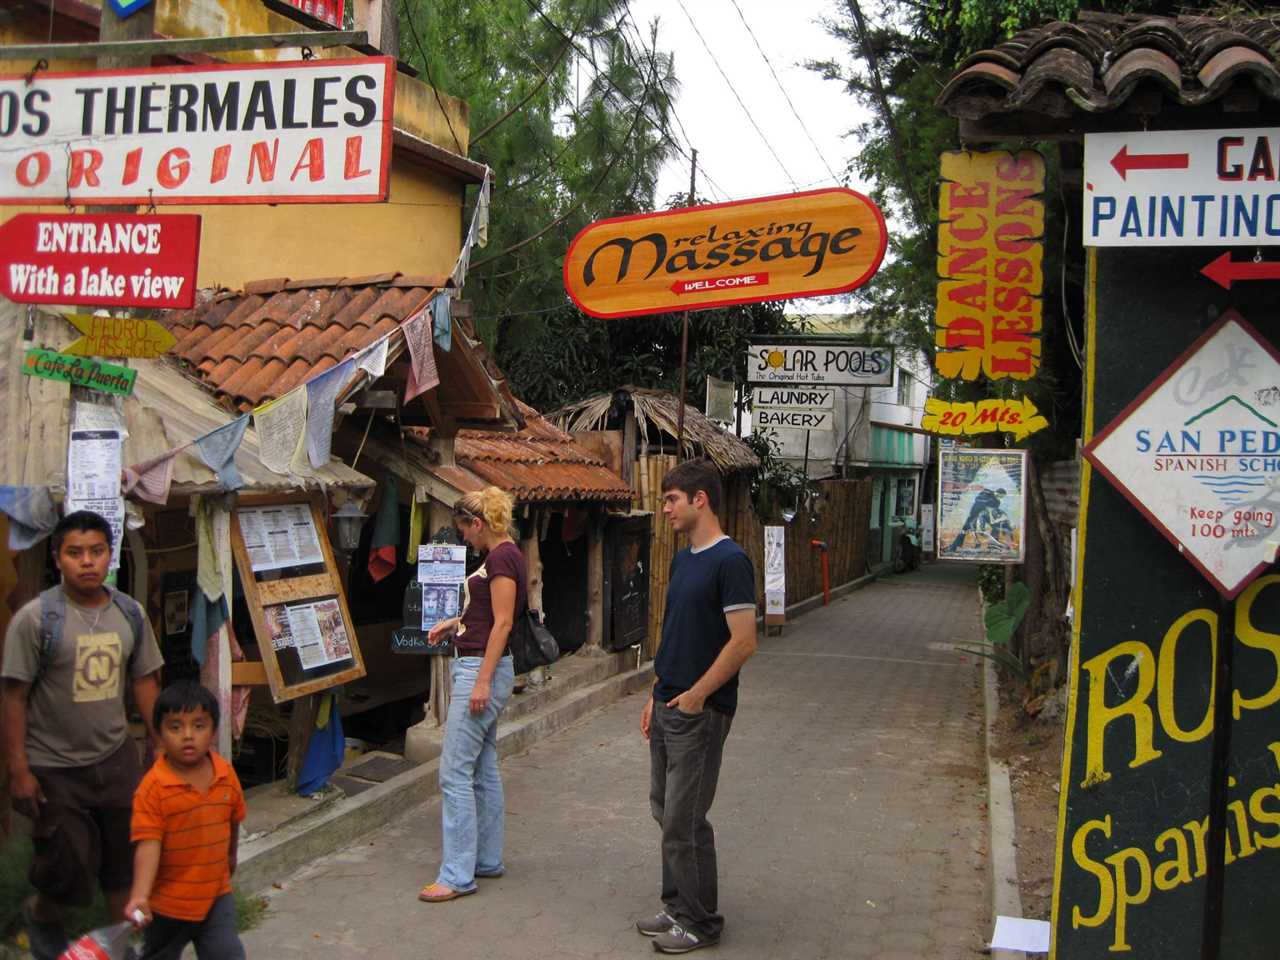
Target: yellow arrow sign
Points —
{"points": [[118, 337], [1019, 417]]}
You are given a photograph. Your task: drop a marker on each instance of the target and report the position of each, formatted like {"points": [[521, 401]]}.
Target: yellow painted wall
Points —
{"points": [[417, 231]]}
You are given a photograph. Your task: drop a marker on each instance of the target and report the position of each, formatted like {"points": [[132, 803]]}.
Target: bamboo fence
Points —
{"points": [[839, 515]]}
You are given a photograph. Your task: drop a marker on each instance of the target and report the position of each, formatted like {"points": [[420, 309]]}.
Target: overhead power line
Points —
{"points": [[736, 96], [783, 90]]}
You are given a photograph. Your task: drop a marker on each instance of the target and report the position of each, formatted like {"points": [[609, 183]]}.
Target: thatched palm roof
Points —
{"points": [[660, 410]]}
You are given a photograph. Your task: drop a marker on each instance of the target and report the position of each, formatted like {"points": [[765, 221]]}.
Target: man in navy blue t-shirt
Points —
{"points": [[708, 633]]}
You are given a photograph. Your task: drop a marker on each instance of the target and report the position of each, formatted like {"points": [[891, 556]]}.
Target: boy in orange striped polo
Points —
{"points": [[186, 823]]}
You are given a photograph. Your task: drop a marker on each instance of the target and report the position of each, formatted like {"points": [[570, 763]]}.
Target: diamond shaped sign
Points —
{"points": [[1198, 452]]}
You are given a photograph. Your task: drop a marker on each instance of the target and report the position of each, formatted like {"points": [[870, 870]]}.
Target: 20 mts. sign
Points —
{"points": [[289, 132], [1198, 453], [1182, 188], [100, 259]]}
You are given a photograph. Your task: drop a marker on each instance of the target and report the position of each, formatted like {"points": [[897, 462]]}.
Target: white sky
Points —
{"points": [[734, 158]]}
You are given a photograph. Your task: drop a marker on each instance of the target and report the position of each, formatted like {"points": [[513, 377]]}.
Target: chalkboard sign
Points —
{"points": [[425, 605]]}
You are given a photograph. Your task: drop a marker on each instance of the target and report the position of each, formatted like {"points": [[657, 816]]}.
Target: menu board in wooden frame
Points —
{"points": [[295, 596]]}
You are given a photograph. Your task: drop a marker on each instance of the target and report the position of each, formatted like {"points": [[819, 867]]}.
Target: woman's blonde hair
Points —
{"points": [[492, 505]]}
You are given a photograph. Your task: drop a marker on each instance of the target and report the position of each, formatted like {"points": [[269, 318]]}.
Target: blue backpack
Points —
{"points": [[53, 615]]}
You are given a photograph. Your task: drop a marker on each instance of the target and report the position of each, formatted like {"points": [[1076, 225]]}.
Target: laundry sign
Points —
{"points": [[315, 131]]}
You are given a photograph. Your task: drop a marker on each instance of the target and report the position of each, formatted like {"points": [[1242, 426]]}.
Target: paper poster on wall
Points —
{"points": [[442, 563], [927, 528], [93, 480], [318, 633], [981, 505], [279, 536], [775, 571], [439, 602]]}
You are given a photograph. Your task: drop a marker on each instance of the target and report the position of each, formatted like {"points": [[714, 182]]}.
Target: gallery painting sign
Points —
{"points": [[982, 505], [314, 131], [771, 248], [1198, 451]]}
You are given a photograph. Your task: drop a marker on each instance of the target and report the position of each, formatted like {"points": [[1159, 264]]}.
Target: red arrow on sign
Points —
{"points": [[1223, 272], [1124, 161]]}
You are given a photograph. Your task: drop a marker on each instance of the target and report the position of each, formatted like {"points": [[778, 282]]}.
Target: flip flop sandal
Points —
{"points": [[449, 894]]}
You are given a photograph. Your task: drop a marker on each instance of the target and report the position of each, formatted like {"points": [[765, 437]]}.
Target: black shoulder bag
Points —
{"points": [[531, 643]]}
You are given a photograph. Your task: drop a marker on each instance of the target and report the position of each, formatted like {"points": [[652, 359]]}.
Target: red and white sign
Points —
{"points": [[100, 259], [330, 11], [315, 131]]}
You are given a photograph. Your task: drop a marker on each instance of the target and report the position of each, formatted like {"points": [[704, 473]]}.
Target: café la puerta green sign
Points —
{"points": [[79, 371]]}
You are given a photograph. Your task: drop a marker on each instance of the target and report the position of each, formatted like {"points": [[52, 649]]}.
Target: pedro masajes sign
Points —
{"points": [[773, 248]]}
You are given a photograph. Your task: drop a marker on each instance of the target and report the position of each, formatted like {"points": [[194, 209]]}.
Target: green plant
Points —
{"points": [[991, 582], [1001, 619], [776, 485], [251, 909]]}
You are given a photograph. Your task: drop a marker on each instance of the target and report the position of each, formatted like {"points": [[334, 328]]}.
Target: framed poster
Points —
{"points": [[982, 505], [295, 596]]}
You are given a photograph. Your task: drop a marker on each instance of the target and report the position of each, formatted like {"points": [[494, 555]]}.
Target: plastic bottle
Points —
{"points": [[105, 943]]}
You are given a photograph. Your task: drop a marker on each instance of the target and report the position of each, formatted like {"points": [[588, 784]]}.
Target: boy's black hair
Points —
{"points": [[694, 475], [184, 698], [81, 521]]}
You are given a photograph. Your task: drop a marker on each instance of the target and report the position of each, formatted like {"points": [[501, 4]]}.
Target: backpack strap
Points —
{"points": [[133, 613], [53, 615]]}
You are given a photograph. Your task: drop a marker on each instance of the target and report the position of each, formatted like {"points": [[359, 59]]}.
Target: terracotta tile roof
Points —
{"points": [[539, 463], [1130, 64], [263, 341]]}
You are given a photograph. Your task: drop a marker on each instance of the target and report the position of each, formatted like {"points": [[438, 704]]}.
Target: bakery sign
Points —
{"points": [[770, 248], [1198, 453], [314, 131]]}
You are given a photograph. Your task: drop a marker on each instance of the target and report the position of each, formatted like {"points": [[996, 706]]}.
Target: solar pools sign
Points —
{"points": [[1182, 188]]}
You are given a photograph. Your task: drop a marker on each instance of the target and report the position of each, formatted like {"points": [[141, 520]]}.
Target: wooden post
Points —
{"points": [[595, 581], [302, 723]]}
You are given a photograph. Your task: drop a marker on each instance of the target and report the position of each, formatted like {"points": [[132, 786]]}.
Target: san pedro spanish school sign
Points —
{"points": [[1198, 452], [287, 132], [990, 265], [100, 259], [1182, 188], [773, 248], [1174, 363]]}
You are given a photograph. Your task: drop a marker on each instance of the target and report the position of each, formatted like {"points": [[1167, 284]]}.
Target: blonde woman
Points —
{"points": [[473, 807]]}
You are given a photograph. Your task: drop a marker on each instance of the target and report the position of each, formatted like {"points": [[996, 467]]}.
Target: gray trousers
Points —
{"points": [[684, 765], [215, 936]]}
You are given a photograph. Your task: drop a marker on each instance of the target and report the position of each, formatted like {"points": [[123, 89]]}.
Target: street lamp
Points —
{"points": [[348, 521]]}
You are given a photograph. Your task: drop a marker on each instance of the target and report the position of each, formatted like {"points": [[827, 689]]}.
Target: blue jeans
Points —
{"points": [[473, 807], [215, 936]]}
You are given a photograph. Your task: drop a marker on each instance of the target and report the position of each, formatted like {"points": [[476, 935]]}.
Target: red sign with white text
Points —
{"points": [[330, 11], [101, 259]]}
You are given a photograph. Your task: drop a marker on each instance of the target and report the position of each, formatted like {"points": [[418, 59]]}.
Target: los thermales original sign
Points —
{"points": [[771, 248], [1182, 188], [99, 259], [289, 132]]}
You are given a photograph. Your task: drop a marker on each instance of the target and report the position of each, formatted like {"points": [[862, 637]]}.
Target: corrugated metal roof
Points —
{"points": [[166, 409], [1073, 72]]}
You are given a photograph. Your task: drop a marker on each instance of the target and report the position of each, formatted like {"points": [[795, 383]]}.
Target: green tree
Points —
{"points": [[570, 105]]}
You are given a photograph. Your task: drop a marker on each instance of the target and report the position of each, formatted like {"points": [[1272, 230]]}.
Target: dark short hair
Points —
{"points": [[184, 698], [82, 521], [693, 475]]}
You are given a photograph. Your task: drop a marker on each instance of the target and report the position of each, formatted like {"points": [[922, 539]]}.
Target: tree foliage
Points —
{"points": [[571, 106]]}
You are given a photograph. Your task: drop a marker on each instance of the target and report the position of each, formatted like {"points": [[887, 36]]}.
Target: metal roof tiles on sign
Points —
{"points": [[1100, 71]]}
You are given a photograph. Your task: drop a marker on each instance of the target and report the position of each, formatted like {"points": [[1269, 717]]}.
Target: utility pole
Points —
{"points": [[112, 28], [684, 327]]}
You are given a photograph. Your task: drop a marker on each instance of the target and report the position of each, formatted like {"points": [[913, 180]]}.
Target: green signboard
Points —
{"points": [[80, 371], [1139, 868]]}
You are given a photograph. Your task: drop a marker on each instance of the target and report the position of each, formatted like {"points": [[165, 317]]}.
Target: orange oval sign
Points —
{"points": [[770, 248]]}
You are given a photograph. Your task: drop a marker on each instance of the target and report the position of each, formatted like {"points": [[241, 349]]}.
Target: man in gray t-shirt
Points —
{"points": [[72, 767]]}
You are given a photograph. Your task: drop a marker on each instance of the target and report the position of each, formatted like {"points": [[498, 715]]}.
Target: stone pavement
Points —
{"points": [[850, 817]]}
